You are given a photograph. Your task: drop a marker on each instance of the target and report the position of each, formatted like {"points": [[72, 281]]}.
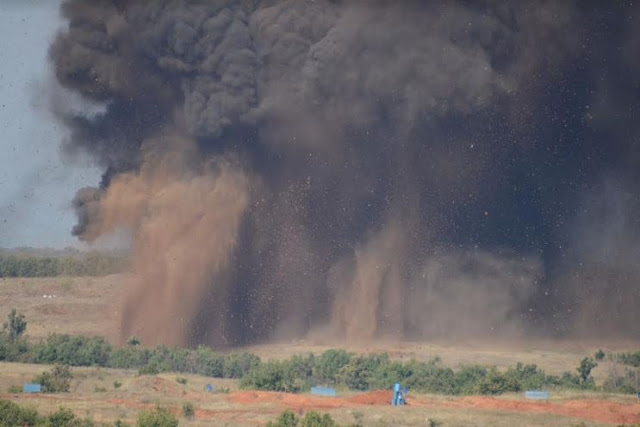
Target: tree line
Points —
{"points": [[337, 368], [88, 264]]}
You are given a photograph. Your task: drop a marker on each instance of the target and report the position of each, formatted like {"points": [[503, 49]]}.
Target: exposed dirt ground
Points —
{"points": [[90, 306]]}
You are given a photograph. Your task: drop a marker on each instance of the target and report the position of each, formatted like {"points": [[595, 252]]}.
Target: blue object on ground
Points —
{"points": [[398, 397], [32, 388], [536, 394], [209, 388], [323, 391]]}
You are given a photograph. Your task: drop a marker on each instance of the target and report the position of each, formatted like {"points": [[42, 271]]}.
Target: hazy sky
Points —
{"points": [[36, 186]]}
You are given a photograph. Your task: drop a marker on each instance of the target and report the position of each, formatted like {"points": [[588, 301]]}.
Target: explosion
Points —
{"points": [[360, 169]]}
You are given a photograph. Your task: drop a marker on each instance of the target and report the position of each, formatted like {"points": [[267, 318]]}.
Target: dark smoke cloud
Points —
{"points": [[358, 169]]}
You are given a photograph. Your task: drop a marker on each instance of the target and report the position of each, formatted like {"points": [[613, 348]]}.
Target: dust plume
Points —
{"points": [[357, 168]]}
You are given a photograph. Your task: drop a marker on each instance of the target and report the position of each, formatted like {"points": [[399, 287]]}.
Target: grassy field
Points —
{"points": [[90, 306], [93, 394]]}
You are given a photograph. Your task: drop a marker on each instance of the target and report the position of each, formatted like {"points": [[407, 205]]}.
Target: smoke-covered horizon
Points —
{"points": [[356, 170]]}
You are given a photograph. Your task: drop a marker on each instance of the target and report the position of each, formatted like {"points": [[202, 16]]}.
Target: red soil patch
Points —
{"points": [[592, 410], [379, 397]]}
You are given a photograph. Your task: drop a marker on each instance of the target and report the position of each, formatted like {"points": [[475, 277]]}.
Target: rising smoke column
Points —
{"points": [[356, 168]]}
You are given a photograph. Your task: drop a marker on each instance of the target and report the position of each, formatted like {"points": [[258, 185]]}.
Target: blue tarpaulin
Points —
{"points": [[536, 394], [32, 388], [323, 391]]}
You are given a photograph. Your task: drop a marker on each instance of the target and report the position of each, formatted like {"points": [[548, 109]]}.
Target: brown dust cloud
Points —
{"points": [[358, 170]]}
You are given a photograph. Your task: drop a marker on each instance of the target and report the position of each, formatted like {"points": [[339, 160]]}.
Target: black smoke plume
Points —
{"points": [[357, 169]]}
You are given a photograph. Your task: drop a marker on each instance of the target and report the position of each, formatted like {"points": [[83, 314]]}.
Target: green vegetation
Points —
{"points": [[298, 373], [30, 264], [310, 419], [631, 359], [56, 381], [12, 414], [188, 410], [158, 417], [15, 326]]}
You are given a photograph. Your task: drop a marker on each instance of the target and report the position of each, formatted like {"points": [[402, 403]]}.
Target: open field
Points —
{"points": [[93, 394], [90, 306]]}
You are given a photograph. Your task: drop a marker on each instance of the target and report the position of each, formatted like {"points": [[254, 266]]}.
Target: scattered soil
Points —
{"points": [[591, 410]]}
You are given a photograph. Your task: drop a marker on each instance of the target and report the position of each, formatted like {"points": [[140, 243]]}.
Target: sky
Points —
{"points": [[36, 183]]}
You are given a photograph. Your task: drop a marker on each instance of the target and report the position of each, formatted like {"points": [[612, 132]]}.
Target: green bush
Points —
{"points": [[209, 363], [285, 419], [431, 377], [56, 381], [496, 383], [158, 417], [584, 369], [358, 373], [117, 384], [15, 325], [314, 419], [631, 359], [329, 364], [12, 414], [14, 389], [237, 365], [129, 357], [72, 351], [310, 419], [150, 369], [274, 376], [188, 410], [63, 418]]}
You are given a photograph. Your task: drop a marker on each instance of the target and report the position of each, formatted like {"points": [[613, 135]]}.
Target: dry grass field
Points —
{"points": [[90, 306], [94, 395]]}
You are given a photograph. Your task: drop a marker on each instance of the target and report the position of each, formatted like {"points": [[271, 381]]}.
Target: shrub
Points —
{"points": [[237, 365], [631, 359], [12, 414], [585, 367], [329, 364], [63, 418], [58, 380], [274, 376], [117, 384], [209, 363], [73, 351], [497, 383], [15, 325], [285, 419], [314, 419], [358, 373], [431, 377], [188, 410], [129, 357], [158, 417], [150, 369], [14, 389], [181, 380]]}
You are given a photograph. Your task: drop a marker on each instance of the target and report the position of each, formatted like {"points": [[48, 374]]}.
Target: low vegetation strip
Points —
{"points": [[13, 414], [336, 368], [82, 264]]}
